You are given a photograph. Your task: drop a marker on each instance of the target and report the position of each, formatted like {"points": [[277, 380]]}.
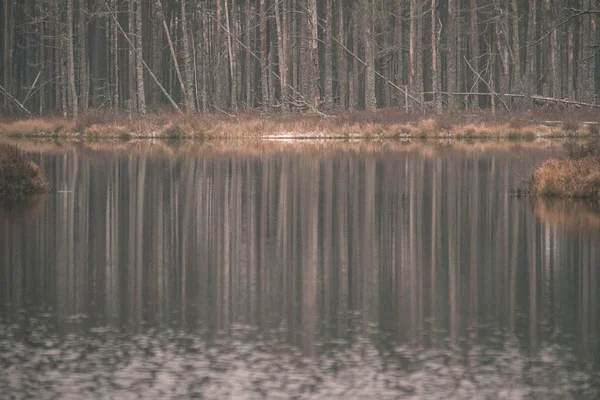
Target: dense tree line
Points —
{"points": [[66, 56]]}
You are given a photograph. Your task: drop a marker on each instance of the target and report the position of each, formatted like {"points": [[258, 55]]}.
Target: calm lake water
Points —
{"points": [[310, 270]]}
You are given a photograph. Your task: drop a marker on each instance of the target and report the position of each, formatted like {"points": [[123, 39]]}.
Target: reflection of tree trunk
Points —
{"points": [[310, 276], [533, 276]]}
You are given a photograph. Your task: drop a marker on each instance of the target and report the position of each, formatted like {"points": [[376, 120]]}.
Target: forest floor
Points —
{"points": [[386, 123]]}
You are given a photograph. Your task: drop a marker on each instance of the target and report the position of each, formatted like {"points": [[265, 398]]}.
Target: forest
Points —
{"points": [[64, 57]]}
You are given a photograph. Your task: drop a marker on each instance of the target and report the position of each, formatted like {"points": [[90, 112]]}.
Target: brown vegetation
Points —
{"points": [[381, 124], [577, 175], [20, 177]]}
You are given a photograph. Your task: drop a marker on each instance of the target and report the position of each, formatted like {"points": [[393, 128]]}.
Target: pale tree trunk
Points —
{"points": [[517, 81], [139, 65], [586, 58], [474, 35], [416, 49], [217, 46], [314, 51], [250, 61], [596, 20], [369, 37], [342, 59], [551, 21], [453, 50], [420, 50], [503, 48], [530, 80], [328, 56], [83, 65], [156, 46], [190, 104], [354, 82], [8, 48], [570, 62], [71, 62], [230, 49], [282, 49], [435, 57], [264, 64], [131, 59], [115, 59], [398, 46]]}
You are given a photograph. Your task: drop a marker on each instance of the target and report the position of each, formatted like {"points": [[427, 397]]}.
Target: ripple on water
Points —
{"points": [[173, 364]]}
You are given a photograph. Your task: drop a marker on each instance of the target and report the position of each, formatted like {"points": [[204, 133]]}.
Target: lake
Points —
{"points": [[297, 270]]}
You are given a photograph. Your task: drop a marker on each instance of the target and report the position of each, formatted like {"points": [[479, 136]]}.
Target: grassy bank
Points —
{"points": [[577, 175], [20, 178], [389, 123]]}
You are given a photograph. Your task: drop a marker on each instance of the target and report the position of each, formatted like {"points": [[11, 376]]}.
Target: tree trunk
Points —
{"points": [[83, 64], [132, 100], [355, 81], [282, 49], [139, 60], [115, 60], [369, 38], [264, 63], [314, 51], [71, 62], [530, 76], [474, 36], [328, 56], [453, 50], [190, 104], [230, 50], [516, 80], [435, 57], [342, 58]]}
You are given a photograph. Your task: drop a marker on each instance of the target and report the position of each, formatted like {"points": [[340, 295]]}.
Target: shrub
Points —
{"points": [[569, 177], [19, 176]]}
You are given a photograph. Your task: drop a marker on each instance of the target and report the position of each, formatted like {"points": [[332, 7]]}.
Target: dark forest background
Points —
{"points": [[66, 56]]}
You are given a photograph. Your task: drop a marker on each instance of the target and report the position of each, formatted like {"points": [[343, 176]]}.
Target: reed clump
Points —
{"points": [[20, 177], [577, 175]]}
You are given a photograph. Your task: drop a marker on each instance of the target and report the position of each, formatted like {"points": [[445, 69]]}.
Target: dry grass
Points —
{"points": [[571, 177], [384, 123], [19, 176]]}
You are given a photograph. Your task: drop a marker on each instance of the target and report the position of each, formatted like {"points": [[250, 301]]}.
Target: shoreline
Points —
{"points": [[385, 123]]}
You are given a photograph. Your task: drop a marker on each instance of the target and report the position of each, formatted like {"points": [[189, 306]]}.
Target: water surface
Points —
{"points": [[315, 270]]}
